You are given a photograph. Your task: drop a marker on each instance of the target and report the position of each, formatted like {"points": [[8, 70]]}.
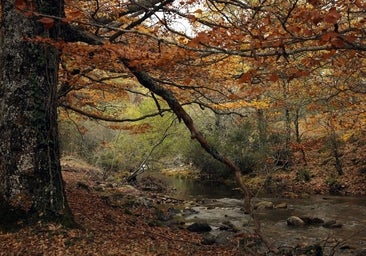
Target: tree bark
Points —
{"points": [[31, 185]]}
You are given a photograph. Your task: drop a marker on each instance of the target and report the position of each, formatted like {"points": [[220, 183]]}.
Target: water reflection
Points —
{"points": [[189, 189], [350, 211]]}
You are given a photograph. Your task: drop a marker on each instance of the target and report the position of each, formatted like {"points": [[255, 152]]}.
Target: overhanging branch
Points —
{"points": [[146, 81], [112, 119]]}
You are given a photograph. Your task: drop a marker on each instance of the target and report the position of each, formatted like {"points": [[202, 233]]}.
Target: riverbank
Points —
{"points": [[105, 229], [319, 176], [116, 219]]}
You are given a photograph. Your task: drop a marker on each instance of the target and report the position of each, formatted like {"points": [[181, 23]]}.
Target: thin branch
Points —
{"points": [[112, 119], [140, 169]]}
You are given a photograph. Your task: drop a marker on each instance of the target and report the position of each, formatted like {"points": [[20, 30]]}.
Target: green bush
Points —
{"points": [[303, 175]]}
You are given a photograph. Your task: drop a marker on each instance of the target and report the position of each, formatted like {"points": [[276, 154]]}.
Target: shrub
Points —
{"points": [[303, 175]]}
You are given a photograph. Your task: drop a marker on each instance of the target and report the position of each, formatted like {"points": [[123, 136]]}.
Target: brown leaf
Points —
{"points": [[333, 16], [47, 22]]}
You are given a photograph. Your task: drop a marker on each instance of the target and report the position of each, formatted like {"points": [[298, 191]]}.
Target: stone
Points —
{"points": [[223, 238], [290, 195], [208, 239], [263, 205], [295, 221], [312, 220], [189, 211], [332, 224], [199, 227], [281, 206], [228, 226]]}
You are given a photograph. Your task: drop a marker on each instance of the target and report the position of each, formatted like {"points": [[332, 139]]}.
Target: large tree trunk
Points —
{"points": [[30, 175]]}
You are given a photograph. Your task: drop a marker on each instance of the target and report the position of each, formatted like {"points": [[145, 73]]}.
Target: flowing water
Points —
{"points": [[219, 203]]}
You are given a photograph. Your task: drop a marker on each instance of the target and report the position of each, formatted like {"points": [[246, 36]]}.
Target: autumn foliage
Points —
{"points": [[293, 67]]}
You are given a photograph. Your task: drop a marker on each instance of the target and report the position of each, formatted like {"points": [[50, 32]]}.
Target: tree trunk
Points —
{"points": [[298, 136], [262, 128], [31, 185], [334, 144]]}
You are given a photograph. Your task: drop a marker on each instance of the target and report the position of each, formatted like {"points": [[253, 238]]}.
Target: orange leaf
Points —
{"points": [[233, 96], [301, 73], [359, 4], [317, 18], [273, 78], [47, 22], [328, 55], [65, 20], [333, 16], [187, 80], [336, 42], [246, 77], [20, 4], [328, 36]]}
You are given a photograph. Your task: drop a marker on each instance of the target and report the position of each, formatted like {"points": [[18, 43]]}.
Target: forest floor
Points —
{"points": [[106, 230]]}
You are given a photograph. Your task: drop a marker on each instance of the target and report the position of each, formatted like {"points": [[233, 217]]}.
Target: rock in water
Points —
{"points": [[199, 227], [295, 221]]}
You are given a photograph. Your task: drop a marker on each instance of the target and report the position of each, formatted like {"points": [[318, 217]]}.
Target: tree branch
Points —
{"points": [[146, 81], [112, 119]]}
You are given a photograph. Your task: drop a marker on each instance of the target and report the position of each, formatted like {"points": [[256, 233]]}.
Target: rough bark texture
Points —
{"points": [[30, 175]]}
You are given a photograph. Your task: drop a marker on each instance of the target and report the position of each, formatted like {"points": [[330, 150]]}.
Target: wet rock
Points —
{"points": [[290, 195], [281, 206], [315, 250], [312, 220], [263, 205], [295, 221], [189, 211], [199, 227], [173, 211], [332, 224], [223, 238], [228, 226]]}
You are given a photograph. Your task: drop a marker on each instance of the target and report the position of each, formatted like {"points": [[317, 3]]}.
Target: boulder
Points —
{"points": [[208, 239], [199, 227], [295, 221], [263, 205], [228, 226], [223, 238], [312, 220]]}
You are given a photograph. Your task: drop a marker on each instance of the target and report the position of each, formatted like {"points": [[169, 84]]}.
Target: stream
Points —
{"points": [[216, 203]]}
